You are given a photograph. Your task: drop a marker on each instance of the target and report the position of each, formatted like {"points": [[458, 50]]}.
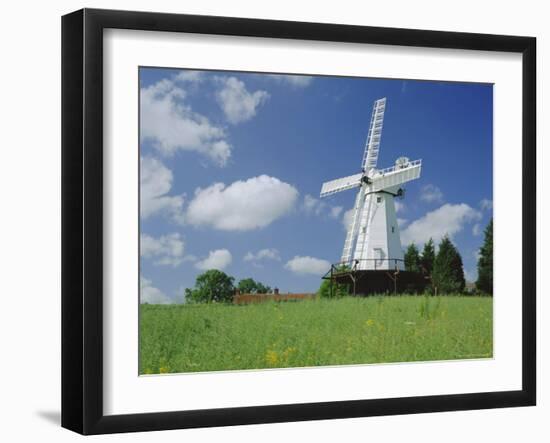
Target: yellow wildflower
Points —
{"points": [[271, 358]]}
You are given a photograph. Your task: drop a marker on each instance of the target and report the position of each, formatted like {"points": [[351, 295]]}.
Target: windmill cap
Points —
{"points": [[402, 161]]}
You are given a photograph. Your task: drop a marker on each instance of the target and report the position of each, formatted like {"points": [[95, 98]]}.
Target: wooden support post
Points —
{"points": [[331, 278]]}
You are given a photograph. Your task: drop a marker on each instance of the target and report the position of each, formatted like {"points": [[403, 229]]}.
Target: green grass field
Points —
{"points": [[216, 337]]}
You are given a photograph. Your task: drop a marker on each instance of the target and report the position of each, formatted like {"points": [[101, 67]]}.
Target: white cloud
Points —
{"points": [[150, 294], [486, 204], [262, 254], [243, 205], [237, 103], [155, 183], [347, 219], [308, 265], [164, 250], [470, 276], [335, 211], [173, 126], [179, 294], [447, 220], [298, 81], [431, 194], [189, 77], [218, 259], [399, 206], [476, 229], [401, 222], [312, 205]]}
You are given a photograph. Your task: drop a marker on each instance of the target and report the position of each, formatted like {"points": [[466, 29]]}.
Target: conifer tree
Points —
{"points": [[412, 259], [484, 281], [427, 264], [428, 258], [448, 272]]}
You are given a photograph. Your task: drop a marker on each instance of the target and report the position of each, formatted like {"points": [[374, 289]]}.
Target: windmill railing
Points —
{"points": [[353, 271], [396, 168], [371, 264]]}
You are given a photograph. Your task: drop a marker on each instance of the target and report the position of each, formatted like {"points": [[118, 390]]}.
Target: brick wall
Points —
{"points": [[241, 299]]}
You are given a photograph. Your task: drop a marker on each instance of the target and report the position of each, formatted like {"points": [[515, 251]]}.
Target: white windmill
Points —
{"points": [[372, 241]]}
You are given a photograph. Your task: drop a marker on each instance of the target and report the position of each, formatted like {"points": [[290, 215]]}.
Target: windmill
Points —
{"points": [[372, 241]]}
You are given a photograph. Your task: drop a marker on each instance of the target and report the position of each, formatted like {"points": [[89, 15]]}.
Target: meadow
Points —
{"points": [[321, 332]]}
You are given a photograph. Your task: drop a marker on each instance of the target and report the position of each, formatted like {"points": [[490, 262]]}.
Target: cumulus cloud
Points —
{"points": [[431, 194], [243, 205], [149, 294], [237, 103], [347, 219], [312, 205], [401, 222], [448, 220], [155, 184], [470, 276], [297, 81], [486, 204], [192, 77], [218, 259], [308, 265], [262, 254], [335, 211], [476, 229], [399, 206], [173, 126], [164, 250]]}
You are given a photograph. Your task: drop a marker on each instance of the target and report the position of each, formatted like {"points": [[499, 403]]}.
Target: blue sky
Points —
{"points": [[232, 165]]}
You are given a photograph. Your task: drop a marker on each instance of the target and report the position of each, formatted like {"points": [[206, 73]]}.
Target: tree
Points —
{"points": [[338, 289], [448, 272], [250, 286], [412, 259], [428, 258], [484, 281], [416, 282], [211, 286], [263, 289]]}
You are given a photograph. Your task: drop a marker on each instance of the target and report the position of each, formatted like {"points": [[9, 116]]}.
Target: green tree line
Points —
{"points": [[443, 272], [214, 286]]}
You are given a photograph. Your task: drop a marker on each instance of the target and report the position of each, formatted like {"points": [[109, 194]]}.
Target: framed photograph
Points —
{"points": [[268, 221]]}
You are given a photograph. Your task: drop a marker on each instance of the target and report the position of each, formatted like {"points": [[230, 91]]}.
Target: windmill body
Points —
{"points": [[372, 241]]}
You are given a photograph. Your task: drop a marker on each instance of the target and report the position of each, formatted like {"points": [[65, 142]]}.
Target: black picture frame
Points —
{"points": [[82, 218]]}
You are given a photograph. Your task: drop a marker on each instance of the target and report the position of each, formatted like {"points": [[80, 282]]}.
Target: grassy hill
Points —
{"points": [[216, 337]]}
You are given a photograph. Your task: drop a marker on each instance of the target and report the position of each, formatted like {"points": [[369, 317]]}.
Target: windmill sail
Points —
{"points": [[341, 184], [372, 146], [353, 226], [364, 230], [396, 175]]}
